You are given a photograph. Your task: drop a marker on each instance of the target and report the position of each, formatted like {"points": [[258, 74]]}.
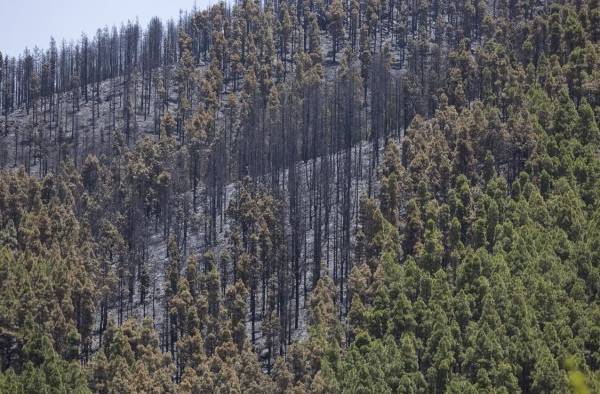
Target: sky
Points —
{"points": [[30, 23]]}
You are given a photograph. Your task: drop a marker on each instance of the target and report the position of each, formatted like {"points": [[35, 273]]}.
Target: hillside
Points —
{"points": [[340, 196]]}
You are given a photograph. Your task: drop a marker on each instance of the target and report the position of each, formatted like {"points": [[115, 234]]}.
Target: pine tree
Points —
{"points": [[588, 129], [336, 16], [413, 230], [184, 77], [391, 178]]}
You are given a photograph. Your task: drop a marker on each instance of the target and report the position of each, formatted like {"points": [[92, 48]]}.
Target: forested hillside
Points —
{"points": [[326, 196]]}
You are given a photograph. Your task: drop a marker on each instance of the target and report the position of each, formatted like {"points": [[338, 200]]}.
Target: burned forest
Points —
{"points": [[316, 196]]}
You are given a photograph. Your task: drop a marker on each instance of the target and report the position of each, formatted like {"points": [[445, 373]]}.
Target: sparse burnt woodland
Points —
{"points": [[341, 196]]}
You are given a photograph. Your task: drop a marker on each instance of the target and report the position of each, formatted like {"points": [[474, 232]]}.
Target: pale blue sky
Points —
{"points": [[27, 23]]}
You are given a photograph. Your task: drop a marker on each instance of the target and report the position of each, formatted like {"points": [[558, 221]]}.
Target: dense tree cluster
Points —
{"points": [[328, 196]]}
